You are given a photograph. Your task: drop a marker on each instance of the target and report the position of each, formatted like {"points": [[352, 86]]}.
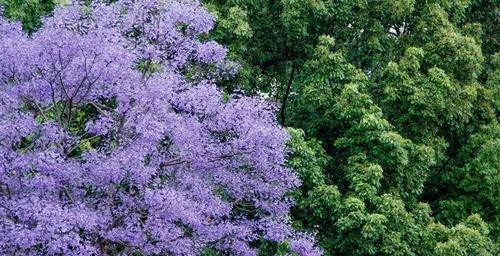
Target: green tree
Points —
{"points": [[364, 222], [399, 101], [29, 12]]}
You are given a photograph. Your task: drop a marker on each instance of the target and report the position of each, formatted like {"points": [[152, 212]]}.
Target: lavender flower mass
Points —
{"points": [[116, 140]]}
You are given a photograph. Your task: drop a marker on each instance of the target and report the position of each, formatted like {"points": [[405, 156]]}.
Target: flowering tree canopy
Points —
{"points": [[114, 139]]}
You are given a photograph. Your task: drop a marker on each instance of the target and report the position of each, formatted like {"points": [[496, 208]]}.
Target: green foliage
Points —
{"points": [[29, 12], [398, 102], [363, 221], [476, 184], [468, 238]]}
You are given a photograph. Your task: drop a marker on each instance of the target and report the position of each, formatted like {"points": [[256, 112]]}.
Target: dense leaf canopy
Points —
{"points": [[399, 104]]}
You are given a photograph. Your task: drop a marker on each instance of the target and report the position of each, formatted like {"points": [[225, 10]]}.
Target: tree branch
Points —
{"points": [[287, 93]]}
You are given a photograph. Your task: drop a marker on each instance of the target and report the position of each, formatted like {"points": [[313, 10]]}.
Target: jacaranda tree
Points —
{"points": [[115, 139]]}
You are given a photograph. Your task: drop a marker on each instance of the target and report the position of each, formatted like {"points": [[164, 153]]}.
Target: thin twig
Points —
{"points": [[100, 110], [66, 191]]}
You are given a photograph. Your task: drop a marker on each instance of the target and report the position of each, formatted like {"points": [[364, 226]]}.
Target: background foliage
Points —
{"points": [[395, 108]]}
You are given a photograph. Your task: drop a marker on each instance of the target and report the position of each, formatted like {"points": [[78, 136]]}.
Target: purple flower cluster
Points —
{"points": [[114, 139]]}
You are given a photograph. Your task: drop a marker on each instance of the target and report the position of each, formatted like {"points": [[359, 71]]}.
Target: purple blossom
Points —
{"points": [[106, 147], [211, 52]]}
